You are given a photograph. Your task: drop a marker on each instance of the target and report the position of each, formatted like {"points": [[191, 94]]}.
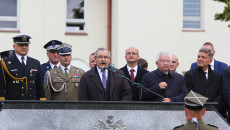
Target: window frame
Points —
{"points": [[11, 18], [200, 19], [77, 21]]}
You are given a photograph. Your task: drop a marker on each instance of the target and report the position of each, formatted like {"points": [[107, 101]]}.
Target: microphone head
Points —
{"points": [[103, 67], [194, 120]]}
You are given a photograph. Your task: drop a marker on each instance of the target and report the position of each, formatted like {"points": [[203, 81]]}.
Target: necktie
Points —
{"points": [[66, 73], [23, 63], [206, 75], [132, 74], [104, 79]]}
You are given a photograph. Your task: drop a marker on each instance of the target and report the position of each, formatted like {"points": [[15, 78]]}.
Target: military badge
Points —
{"points": [[9, 62], [76, 76], [24, 38]]}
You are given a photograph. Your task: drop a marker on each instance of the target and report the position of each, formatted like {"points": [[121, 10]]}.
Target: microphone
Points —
{"points": [[195, 121], [113, 71]]}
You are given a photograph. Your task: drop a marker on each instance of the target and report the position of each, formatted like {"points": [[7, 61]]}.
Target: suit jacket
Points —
{"points": [[176, 89], [91, 87], [60, 87], [226, 85], [138, 78], [44, 68], [191, 126], [211, 88], [17, 90], [218, 66]]}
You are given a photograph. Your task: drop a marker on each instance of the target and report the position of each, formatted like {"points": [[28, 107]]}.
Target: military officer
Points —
{"points": [[194, 111], [20, 75], [53, 62], [62, 82]]}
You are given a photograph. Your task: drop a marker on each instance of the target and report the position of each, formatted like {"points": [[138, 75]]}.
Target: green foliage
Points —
{"points": [[225, 15]]}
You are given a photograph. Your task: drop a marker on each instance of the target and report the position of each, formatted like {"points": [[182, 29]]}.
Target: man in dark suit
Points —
{"points": [[53, 62], [20, 75], [215, 65], [226, 90], [133, 71], [204, 80], [163, 81], [102, 85]]}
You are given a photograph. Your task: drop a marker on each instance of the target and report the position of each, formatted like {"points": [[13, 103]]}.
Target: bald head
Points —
{"points": [[132, 56], [174, 63]]}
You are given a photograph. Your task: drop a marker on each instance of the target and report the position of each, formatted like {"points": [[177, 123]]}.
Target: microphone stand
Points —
{"points": [[132, 81]]}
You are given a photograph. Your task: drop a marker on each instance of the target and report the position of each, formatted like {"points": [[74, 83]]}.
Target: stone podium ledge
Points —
{"points": [[68, 115]]}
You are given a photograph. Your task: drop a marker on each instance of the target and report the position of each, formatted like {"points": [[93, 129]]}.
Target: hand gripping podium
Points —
{"points": [[69, 115]]}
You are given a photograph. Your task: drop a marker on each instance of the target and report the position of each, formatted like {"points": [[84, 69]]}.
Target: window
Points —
{"points": [[76, 16], [192, 15], [9, 15]]}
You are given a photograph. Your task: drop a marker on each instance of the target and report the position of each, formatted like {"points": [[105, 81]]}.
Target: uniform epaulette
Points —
{"points": [[178, 126], [213, 126]]}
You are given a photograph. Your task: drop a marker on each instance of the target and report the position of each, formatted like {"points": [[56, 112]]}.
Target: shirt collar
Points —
{"points": [[63, 68], [52, 65], [20, 57], [212, 64], [100, 71], [129, 68]]}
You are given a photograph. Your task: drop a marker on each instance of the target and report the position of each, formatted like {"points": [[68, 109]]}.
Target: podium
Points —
{"points": [[89, 115]]}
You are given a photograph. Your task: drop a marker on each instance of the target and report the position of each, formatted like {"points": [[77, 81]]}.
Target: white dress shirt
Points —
{"points": [[20, 58], [135, 70]]}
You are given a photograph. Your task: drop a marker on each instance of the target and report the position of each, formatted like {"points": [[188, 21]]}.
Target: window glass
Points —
{"points": [[192, 18], [76, 16], [8, 7]]}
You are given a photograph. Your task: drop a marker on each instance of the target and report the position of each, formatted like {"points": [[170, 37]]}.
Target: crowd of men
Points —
{"points": [[24, 78]]}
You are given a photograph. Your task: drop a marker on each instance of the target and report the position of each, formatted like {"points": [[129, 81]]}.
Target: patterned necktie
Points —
{"points": [[23, 63], [66, 73], [132, 74], [104, 79]]}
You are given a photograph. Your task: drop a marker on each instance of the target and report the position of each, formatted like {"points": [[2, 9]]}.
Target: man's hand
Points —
{"points": [[166, 100], [163, 85]]}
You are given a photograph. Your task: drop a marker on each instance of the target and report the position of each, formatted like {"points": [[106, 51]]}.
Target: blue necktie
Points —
{"points": [[104, 79]]}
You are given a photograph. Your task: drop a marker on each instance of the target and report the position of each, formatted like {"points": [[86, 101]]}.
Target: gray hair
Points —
{"points": [[101, 49], [206, 50], [164, 54]]}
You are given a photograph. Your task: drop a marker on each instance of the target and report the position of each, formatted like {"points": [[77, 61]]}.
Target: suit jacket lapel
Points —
{"points": [[29, 64], [96, 79], [127, 72], [60, 72], [111, 82], [72, 72]]}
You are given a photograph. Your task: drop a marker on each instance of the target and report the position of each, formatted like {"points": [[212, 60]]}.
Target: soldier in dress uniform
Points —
{"points": [[62, 82], [194, 111], [20, 75], [53, 62]]}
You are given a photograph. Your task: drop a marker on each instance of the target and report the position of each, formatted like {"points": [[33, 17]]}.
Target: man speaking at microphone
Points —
{"points": [[165, 82], [100, 84]]}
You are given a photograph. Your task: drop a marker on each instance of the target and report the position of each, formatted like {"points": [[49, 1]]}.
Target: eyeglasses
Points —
{"points": [[131, 53], [101, 57], [174, 62], [166, 61]]}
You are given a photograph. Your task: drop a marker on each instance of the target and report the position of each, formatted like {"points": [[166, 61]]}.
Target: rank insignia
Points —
{"points": [[9, 62], [76, 76]]}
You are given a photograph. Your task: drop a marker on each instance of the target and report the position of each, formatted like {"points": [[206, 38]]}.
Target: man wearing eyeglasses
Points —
{"points": [[20, 75], [164, 82], [133, 71], [99, 84]]}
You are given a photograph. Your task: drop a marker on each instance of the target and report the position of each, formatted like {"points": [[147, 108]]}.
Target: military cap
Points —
{"points": [[52, 45], [64, 49], [7, 53], [194, 101], [22, 39]]}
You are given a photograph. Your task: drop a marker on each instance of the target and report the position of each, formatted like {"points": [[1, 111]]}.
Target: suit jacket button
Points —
{"points": [[30, 88], [22, 94], [22, 87]]}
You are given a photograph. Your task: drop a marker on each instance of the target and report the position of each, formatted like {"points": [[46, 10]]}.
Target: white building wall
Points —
{"points": [[156, 25], [45, 20]]}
